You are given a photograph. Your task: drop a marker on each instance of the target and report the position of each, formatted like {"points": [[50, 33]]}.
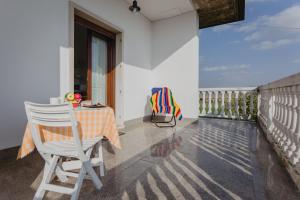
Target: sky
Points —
{"points": [[262, 48]]}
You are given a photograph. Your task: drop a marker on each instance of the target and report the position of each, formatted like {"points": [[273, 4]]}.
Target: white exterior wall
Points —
{"points": [[34, 31], [175, 59], [31, 33]]}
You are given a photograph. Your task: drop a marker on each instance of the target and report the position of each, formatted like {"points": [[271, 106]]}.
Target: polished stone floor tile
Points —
{"points": [[202, 159]]}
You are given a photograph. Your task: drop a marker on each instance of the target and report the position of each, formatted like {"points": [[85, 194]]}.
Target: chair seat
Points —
{"points": [[68, 147]]}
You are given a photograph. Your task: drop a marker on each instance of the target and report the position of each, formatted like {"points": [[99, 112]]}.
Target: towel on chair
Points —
{"points": [[162, 101]]}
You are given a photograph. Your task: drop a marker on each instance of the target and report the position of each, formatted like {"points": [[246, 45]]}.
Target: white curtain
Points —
{"points": [[99, 70]]}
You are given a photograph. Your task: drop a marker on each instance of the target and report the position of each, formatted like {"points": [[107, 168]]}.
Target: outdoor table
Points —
{"points": [[92, 122]]}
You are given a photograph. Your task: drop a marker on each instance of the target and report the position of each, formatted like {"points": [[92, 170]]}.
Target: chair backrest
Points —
{"points": [[155, 90], [162, 101], [51, 116], [165, 97]]}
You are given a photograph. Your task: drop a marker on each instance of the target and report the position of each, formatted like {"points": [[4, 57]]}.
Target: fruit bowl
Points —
{"points": [[73, 99]]}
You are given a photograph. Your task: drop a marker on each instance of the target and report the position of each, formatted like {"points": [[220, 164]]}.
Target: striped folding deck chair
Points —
{"points": [[162, 101]]}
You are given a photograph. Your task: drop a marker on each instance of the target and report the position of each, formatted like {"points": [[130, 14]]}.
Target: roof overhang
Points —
{"points": [[218, 12]]}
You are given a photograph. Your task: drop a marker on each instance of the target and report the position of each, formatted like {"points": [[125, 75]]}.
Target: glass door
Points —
{"points": [[94, 62], [98, 70]]}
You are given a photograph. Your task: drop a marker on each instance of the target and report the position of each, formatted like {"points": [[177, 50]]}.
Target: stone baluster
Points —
{"points": [[237, 114], [229, 104], [280, 114], [292, 146], [273, 129], [280, 117], [284, 118], [272, 110], [203, 103], [266, 107], [276, 101], [209, 102], [251, 105], [269, 108], [216, 112], [288, 123], [223, 104], [262, 109], [244, 104]]}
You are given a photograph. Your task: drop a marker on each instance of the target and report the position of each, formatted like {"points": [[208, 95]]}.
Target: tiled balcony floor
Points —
{"points": [[208, 159]]}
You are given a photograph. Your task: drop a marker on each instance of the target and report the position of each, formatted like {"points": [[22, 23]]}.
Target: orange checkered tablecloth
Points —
{"points": [[91, 123]]}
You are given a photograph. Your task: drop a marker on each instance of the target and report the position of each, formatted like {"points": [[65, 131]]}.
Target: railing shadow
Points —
{"points": [[172, 174]]}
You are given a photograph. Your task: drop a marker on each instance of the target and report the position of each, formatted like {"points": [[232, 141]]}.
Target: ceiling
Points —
{"points": [[211, 12], [161, 9]]}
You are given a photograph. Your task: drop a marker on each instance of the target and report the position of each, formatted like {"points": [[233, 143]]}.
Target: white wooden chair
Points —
{"points": [[61, 116]]}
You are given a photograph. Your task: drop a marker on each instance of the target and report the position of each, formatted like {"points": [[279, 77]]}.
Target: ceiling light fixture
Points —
{"points": [[135, 8]]}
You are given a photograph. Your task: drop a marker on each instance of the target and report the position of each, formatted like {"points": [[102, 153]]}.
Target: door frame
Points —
{"points": [[110, 38]]}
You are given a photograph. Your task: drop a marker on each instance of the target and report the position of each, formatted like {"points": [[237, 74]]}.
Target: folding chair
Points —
{"points": [[60, 116], [162, 101]]}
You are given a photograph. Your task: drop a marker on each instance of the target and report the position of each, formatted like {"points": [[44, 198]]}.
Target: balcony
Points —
{"points": [[210, 158]]}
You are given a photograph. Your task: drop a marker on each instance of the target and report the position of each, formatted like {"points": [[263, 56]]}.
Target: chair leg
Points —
{"points": [[86, 168], [159, 123], [101, 163], [86, 164], [60, 173], [48, 172], [89, 169], [78, 184]]}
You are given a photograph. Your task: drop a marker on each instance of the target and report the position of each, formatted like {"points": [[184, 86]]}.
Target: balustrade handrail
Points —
{"points": [[284, 82], [228, 89]]}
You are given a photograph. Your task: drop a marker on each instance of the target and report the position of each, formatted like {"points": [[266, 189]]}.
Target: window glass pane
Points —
{"points": [[99, 70]]}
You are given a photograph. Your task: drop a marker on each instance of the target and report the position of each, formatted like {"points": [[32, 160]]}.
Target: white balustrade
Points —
{"points": [[279, 117], [227, 95]]}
